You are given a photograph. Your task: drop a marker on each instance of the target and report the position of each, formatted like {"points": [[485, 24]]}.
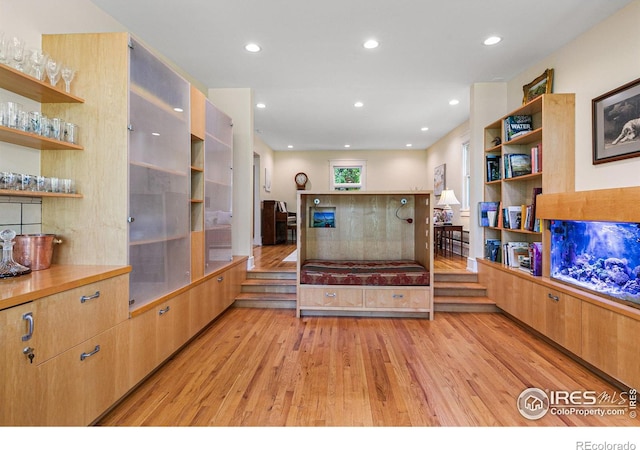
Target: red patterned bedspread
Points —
{"points": [[370, 273]]}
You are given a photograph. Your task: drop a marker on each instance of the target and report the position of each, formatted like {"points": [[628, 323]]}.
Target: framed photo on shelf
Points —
{"points": [[543, 84], [439, 179], [616, 124]]}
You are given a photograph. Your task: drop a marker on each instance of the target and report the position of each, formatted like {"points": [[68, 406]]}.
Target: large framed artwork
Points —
{"points": [[439, 179], [616, 124], [543, 84]]}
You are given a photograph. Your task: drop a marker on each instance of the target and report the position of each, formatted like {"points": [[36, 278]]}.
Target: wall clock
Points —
{"points": [[301, 180]]}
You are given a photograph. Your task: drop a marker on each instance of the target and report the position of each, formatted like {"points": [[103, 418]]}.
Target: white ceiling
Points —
{"points": [[313, 67]]}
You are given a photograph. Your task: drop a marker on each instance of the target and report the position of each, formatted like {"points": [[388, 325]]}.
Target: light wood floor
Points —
{"points": [[265, 367]]}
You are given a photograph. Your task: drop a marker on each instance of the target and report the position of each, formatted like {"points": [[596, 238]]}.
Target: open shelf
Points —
{"points": [[15, 81]]}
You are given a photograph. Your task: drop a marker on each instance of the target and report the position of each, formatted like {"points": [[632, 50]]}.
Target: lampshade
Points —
{"points": [[448, 198]]}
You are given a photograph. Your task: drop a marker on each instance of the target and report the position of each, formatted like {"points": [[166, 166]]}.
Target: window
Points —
{"points": [[466, 178], [347, 175]]}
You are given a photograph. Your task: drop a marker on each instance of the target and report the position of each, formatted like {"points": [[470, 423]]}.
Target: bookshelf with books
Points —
{"points": [[516, 142]]}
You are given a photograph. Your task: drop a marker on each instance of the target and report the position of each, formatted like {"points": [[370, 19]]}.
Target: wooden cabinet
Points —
{"points": [[330, 297], [60, 386], [395, 298], [17, 370], [558, 316], [274, 223], [609, 342], [554, 134]]}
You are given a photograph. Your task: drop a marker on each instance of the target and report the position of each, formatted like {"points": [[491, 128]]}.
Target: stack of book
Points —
{"points": [[515, 126], [517, 164], [493, 167], [536, 158]]}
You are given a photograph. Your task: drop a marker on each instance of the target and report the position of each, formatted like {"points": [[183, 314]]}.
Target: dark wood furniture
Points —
{"points": [[274, 223], [443, 235]]}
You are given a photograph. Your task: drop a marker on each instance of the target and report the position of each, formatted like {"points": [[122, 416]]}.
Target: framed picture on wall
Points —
{"points": [[616, 124], [439, 179], [543, 84]]}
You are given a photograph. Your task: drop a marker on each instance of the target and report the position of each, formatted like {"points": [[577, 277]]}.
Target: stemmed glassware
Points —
{"points": [[37, 62], [4, 47], [67, 75], [53, 71], [16, 53]]}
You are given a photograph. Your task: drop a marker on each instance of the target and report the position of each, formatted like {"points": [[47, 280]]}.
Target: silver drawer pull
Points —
{"points": [[86, 355], [220, 279], [162, 311], [29, 318], [330, 294], [398, 295], [555, 298], [85, 298]]}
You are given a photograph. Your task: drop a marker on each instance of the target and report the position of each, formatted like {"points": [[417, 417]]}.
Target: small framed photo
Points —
{"points": [[541, 85], [616, 124]]}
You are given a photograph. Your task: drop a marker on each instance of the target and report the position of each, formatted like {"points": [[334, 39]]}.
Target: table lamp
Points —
{"points": [[448, 198]]}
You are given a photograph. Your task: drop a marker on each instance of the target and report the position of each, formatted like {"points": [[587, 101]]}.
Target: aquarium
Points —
{"points": [[603, 257]]}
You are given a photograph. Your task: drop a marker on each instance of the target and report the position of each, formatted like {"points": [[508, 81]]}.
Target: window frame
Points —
{"points": [[347, 164]]}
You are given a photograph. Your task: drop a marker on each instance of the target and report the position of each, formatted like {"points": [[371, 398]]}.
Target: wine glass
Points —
{"points": [[67, 75], [16, 53], [37, 61], [4, 47], [53, 71]]}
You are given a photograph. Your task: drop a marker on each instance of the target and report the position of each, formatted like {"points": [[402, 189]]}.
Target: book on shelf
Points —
{"points": [[514, 253], [536, 158], [493, 167], [517, 164], [535, 259], [515, 126], [514, 215], [488, 213], [535, 222], [493, 250]]}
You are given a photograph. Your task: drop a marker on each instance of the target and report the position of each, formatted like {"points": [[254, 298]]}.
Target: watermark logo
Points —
{"points": [[535, 403]]}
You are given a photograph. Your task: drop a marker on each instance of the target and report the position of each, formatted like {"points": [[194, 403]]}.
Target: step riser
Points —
{"points": [[271, 275], [265, 304], [269, 289], [459, 292], [455, 277]]}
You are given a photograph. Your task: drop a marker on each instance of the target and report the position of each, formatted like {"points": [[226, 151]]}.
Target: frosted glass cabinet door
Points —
{"points": [[159, 175], [218, 175]]}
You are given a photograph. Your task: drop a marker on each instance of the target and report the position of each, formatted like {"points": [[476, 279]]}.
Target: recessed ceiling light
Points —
{"points": [[176, 109], [409, 145], [358, 104], [347, 145], [492, 40], [371, 44], [253, 48], [454, 102], [261, 105], [424, 129], [289, 146], [155, 134]]}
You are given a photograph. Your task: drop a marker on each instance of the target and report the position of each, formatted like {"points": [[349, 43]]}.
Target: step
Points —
{"points": [[269, 285], [455, 276], [265, 300], [464, 304], [272, 274], [446, 289]]}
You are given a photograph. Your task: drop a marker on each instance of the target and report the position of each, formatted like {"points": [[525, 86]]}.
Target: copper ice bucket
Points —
{"points": [[34, 250]]}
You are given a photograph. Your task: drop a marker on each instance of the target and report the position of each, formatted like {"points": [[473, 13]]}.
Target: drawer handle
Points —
{"points": [[555, 298], [330, 294], [162, 311], [85, 298], [220, 279], [86, 355], [29, 318], [398, 295]]}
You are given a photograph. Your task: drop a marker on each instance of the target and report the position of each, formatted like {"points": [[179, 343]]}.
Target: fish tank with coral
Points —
{"points": [[602, 257]]}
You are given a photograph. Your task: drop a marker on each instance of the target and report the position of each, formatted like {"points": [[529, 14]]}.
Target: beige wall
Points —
{"points": [[598, 61], [386, 171]]}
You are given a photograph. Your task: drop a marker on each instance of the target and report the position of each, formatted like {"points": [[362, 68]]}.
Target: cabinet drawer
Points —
{"points": [[73, 316], [331, 297], [80, 384], [396, 298]]}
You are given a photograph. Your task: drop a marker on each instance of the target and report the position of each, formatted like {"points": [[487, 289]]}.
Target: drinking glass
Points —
{"points": [[53, 71], [37, 61], [16, 53], [12, 114], [67, 75], [4, 47], [70, 133]]}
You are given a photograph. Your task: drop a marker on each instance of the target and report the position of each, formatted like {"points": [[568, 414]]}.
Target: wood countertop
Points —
{"points": [[57, 278]]}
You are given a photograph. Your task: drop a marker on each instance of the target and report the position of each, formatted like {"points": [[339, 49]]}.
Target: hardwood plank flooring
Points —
{"points": [[257, 367], [264, 367]]}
